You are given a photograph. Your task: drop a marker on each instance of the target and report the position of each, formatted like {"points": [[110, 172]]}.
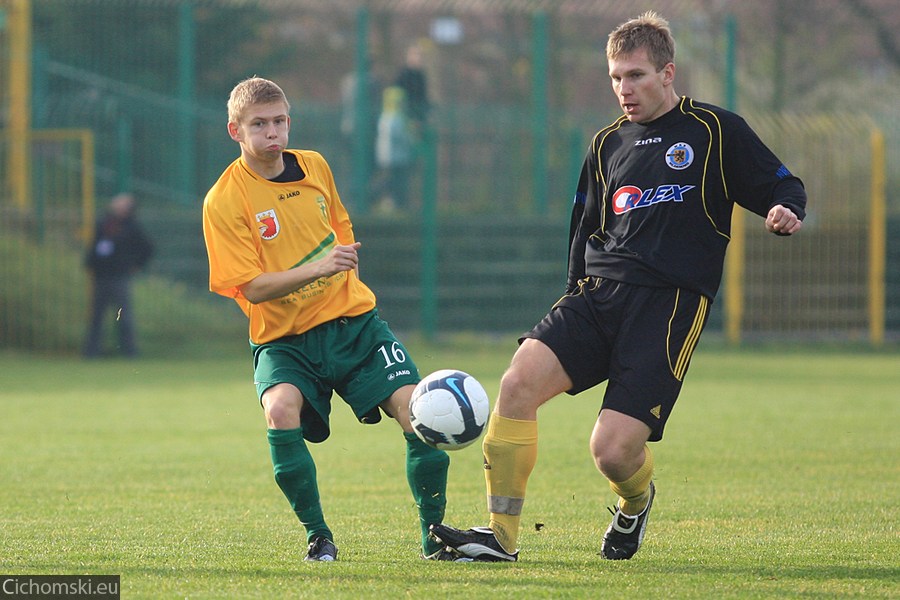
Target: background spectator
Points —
{"points": [[393, 152], [120, 249]]}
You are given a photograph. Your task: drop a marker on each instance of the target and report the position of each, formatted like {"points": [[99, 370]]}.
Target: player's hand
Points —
{"points": [[342, 258], [782, 221]]}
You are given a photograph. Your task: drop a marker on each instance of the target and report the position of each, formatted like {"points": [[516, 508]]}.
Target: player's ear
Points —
{"points": [[669, 74], [234, 131]]}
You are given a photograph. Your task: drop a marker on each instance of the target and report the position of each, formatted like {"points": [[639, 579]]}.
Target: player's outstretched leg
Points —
{"points": [[624, 536], [478, 543]]}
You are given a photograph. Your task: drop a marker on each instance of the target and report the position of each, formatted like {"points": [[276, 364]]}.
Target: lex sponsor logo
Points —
{"points": [[267, 223], [629, 197]]}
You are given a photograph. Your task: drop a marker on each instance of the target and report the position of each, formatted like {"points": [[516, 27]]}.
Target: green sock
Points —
{"points": [[295, 473], [426, 472]]}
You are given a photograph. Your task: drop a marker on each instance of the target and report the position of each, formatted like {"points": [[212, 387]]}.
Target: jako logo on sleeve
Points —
{"points": [[629, 197]]}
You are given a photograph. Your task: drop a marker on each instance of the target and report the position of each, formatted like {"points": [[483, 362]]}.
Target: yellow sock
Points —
{"points": [[510, 453], [634, 492]]}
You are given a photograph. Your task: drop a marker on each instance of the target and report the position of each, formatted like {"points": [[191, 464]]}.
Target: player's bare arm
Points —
{"points": [[269, 286], [782, 220]]}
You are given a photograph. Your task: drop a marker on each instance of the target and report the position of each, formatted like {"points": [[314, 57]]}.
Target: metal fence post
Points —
{"points": [[362, 142], [877, 242], [734, 260], [540, 111], [185, 169], [429, 300]]}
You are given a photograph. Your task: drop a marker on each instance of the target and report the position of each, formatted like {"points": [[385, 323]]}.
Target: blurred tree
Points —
{"points": [[238, 41], [815, 56], [884, 32], [137, 42]]}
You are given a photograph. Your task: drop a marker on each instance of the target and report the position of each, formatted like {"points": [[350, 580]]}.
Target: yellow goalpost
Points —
{"points": [[828, 281]]}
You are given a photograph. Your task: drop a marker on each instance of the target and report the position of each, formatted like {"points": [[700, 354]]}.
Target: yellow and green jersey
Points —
{"points": [[252, 226]]}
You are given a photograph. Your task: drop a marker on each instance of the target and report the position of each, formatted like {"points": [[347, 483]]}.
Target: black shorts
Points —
{"points": [[639, 338]]}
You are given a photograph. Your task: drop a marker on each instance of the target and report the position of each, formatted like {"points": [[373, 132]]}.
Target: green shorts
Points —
{"points": [[357, 357]]}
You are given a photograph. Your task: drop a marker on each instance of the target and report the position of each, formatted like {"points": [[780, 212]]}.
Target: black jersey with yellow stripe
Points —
{"points": [[654, 201]]}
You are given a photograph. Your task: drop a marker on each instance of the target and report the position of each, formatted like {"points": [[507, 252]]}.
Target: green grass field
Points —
{"points": [[778, 478]]}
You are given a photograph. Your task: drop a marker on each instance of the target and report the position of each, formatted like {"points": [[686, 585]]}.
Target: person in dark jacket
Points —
{"points": [[120, 249], [414, 83]]}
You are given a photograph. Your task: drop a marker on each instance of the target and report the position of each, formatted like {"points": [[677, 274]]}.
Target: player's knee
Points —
{"points": [[279, 416], [615, 460], [282, 409], [397, 407], [518, 388], [534, 377]]}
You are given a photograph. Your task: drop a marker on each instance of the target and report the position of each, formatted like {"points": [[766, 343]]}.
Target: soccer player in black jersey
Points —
{"points": [[649, 228]]}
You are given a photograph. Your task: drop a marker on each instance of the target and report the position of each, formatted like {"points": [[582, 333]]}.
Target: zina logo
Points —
{"points": [[629, 197]]}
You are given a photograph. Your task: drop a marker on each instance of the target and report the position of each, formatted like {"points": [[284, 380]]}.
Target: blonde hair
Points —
{"points": [[649, 31], [253, 90]]}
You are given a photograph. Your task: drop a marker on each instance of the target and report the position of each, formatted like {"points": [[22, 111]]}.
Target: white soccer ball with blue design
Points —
{"points": [[449, 409]]}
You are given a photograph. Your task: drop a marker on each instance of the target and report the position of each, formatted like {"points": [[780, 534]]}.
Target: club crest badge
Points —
{"points": [[679, 156], [268, 225]]}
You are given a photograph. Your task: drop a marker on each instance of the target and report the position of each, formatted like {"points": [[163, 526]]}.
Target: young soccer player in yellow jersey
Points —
{"points": [[281, 244]]}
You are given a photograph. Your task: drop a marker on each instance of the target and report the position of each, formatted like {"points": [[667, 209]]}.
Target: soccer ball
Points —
{"points": [[449, 409]]}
